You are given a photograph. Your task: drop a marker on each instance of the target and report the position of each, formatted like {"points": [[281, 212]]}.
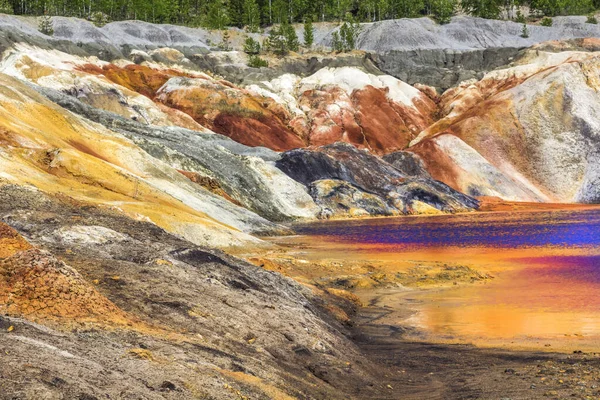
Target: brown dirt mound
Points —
{"points": [[11, 242], [36, 285]]}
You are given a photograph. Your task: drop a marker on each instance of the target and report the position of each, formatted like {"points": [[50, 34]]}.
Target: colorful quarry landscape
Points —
{"points": [[417, 218]]}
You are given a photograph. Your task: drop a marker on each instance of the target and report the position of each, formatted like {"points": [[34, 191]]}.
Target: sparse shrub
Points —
{"points": [[254, 61], [525, 31], [546, 21], [591, 19], [46, 25], [251, 46], [99, 19], [520, 18], [225, 44]]}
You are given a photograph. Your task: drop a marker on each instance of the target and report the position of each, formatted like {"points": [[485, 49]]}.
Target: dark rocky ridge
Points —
{"points": [[389, 188], [444, 69]]}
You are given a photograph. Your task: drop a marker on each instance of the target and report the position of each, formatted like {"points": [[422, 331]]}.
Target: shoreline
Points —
{"points": [[416, 363]]}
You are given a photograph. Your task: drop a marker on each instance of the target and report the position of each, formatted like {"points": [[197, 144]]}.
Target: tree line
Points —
{"points": [[255, 14]]}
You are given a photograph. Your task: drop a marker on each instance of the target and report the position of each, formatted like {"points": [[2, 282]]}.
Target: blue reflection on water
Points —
{"points": [[556, 228]]}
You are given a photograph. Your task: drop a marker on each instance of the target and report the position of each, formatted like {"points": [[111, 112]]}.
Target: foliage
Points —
{"points": [[5, 7], [254, 61], [591, 19], [442, 10], [520, 17], [217, 17], [546, 21], [225, 44], [46, 25], [336, 42], [282, 39], [309, 33], [345, 40], [251, 46], [482, 8], [252, 15], [289, 33], [99, 19], [525, 31]]}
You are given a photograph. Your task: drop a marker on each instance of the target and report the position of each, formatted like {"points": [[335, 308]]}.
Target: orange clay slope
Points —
{"points": [[36, 285], [44, 146]]}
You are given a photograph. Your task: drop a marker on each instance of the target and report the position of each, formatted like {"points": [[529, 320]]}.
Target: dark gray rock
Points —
{"points": [[409, 164], [370, 174], [339, 198]]}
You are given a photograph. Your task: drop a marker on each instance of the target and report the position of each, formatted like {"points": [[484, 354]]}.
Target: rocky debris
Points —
{"points": [[364, 172], [421, 51], [348, 104], [95, 165], [223, 323]]}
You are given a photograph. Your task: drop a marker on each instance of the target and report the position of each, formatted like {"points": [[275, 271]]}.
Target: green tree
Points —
{"points": [[46, 25], [217, 17], [289, 34], [309, 33], [251, 15], [276, 41], [483, 8], [524, 31], [442, 10], [6, 7], [255, 61], [348, 34], [336, 42], [251, 46]]}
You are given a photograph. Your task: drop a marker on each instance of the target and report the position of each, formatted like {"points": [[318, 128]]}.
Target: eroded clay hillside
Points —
{"points": [[130, 154]]}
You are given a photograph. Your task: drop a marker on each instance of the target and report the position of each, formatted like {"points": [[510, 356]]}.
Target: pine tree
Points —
{"points": [[276, 41], [251, 15], [217, 17], [309, 33], [46, 25], [336, 43], [525, 31], [290, 36], [482, 8], [251, 46]]}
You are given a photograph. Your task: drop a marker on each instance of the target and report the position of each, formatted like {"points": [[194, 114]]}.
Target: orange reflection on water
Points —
{"points": [[546, 291]]}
